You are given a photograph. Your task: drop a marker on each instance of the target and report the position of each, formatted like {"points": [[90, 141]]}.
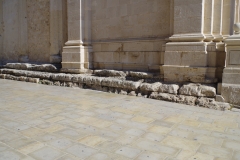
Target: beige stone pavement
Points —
{"points": [[55, 123]]}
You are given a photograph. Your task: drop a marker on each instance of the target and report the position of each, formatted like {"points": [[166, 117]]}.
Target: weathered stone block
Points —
{"points": [[164, 96], [109, 73], [198, 90], [22, 78], [147, 87], [2, 76], [97, 87], [56, 83], [142, 75], [33, 80], [62, 77], [169, 88], [189, 100], [131, 85], [132, 93], [220, 98], [231, 93]]}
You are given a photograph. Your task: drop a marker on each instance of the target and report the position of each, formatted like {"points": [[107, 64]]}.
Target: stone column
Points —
{"points": [[76, 53], [186, 58], [231, 75]]}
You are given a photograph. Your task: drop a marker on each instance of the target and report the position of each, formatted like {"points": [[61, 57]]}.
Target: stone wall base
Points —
{"points": [[231, 93], [142, 84], [189, 74]]}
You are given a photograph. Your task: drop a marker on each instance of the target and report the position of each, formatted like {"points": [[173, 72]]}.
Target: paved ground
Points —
{"points": [[48, 123]]}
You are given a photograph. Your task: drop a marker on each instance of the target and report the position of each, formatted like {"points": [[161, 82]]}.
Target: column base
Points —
{"points": [[195, 37], [231, 93], [76, 58]]}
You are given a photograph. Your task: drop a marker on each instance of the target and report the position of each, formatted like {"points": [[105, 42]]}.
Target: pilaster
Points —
{"points": [[186, 57], [188, 21], [226, 18], [77, 50], [217, 20], [208, 20], [231, 74]]}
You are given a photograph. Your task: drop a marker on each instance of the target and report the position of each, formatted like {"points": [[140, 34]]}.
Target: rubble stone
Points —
{"points": [[154, 87], [140, 74], [198, 90], [109, 73], [169, 88]]}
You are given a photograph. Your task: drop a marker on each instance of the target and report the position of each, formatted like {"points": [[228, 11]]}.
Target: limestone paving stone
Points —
{"points": [[61, 143], [151, 156], [81, 151], [156, 147], [11, 155], [46, 153], [178, 142], [216, 151], [128, 152], [142, 128]]}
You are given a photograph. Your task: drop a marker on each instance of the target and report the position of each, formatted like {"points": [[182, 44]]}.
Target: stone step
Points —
{"points": [[191, 94]]}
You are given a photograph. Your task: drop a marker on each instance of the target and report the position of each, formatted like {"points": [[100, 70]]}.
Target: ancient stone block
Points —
{"points": [[198, 90], [220, 98], [33, 80], [169, 88], [109, 73], [189, 100], [164, 96], [231, 93], [22, 78], [62, 77], [142, 75], [132, 93], [154, 87], [131, 85], [2, 76]]}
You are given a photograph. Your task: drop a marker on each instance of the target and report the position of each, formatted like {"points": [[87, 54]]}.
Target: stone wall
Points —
{"points": [[25, 30], [10, 29], [38, 13], [129, 34]]}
